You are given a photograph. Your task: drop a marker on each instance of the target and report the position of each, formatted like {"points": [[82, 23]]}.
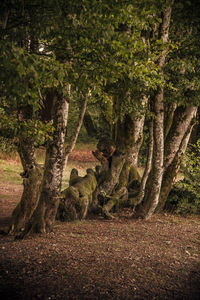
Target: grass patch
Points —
{"points": [[10, 172]]}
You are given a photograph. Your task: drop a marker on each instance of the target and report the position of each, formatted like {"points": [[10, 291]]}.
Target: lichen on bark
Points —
{"points": [[43, 217]]}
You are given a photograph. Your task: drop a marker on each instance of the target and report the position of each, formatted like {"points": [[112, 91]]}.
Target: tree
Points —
{"points": [[185, 94], [152, 197], [36, 78], [45, 212], [134, 62]]}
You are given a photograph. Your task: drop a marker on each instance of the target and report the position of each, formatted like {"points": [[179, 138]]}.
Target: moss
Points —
{"points": [[29, 200], [134, 175], [124, 175], [78, 196]]}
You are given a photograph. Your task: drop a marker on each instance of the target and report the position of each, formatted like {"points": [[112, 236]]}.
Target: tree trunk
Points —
{"points": [[136, 200], [109, 186], [130, 135], [171, 171], [182, 120], [169, 116], [32, 174], [77, 199], [32, 177], [111, 179], [72, 144], [151, 197], [43, 217], [121, 168], [138, 125]]}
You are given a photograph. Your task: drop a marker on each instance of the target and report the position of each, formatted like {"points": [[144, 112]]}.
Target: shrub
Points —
{"points": [[185, 195], [183, 200]]}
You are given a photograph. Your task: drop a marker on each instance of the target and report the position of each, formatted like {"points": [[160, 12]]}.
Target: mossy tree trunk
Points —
{"points": [[77, 199], [130, 135], [129, 138], [109, 186], [119, 167], [43, 217], [32, 173], [32, 176], [111, 178]]}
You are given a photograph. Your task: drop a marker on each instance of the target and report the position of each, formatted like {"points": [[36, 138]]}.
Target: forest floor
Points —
{"points": [[99, 259]]}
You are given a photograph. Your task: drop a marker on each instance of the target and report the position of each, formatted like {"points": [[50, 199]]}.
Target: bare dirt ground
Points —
{"points": [[98, 259]]}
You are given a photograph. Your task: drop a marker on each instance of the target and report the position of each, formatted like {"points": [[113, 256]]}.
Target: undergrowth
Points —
{"points": [[185, 195]]}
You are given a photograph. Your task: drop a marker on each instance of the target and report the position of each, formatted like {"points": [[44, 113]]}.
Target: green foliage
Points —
{"points": [[10, 172], [192, 169], [26, 75], [108, 47], [182, 70], [185, 195], [182, 200]]}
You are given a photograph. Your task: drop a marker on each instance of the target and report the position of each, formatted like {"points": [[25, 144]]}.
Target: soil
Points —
{"points": [[82, 156], [97, 259]]}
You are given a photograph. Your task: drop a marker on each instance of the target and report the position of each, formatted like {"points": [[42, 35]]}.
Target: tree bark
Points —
{"points": [[181, 122], [112, 176], [171, 171], [110, 185], [78, 197], [138, 199], [151, 197], [119, 168], [137, 136], [32, 177], [169, 116], [130, 135], [43, 217]]}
